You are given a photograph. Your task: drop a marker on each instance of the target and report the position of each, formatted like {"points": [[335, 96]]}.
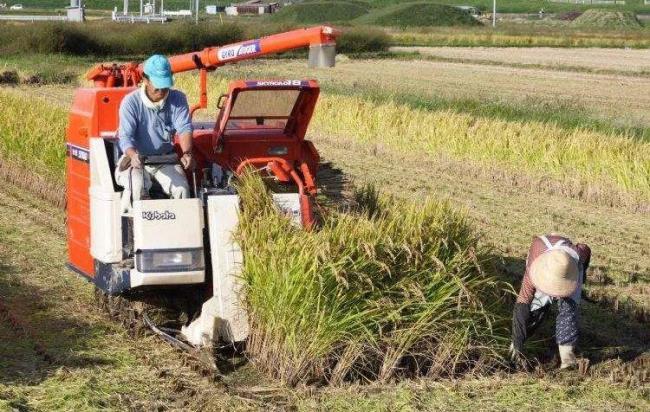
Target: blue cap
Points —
{"points": [[159, 71]]}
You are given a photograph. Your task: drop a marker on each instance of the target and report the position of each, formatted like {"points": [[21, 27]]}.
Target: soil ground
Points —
{"points": [[58, 352], [597, 59]]}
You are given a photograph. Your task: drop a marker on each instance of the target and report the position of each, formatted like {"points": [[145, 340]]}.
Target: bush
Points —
{"points": [[607, 19], [423, 14], [387, 289], [114, 39], [9, 77], [359, 40]]}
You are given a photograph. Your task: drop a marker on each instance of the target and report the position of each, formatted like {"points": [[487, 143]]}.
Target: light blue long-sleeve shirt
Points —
{"points": [[151, 131]]}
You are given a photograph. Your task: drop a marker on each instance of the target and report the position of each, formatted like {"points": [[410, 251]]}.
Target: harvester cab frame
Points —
{"points": [[167, 243]]}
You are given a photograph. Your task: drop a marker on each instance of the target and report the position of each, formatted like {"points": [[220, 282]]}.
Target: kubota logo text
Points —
{"points": [[156, 215]]}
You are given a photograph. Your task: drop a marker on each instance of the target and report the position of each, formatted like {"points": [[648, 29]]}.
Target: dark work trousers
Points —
{"points": [[566, 321]]}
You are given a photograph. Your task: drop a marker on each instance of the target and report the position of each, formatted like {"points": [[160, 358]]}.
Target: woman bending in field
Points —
{"points": [[555, 273]]}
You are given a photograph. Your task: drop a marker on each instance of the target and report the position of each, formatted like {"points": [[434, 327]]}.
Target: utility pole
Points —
{"points": [[197, 11], [494, 13]]}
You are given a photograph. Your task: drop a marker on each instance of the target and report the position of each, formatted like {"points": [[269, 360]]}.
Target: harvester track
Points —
{"points": [[147, 313]]}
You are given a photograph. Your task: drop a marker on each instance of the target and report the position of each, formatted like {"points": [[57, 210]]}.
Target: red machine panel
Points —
{"points": [[94, 111]]}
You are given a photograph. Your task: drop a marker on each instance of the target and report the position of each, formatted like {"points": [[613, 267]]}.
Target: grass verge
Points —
{"points": [[420, 14], [320, 12], [607, 18]]}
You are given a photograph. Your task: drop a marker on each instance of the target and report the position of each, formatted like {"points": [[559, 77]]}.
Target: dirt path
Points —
{"points": [[632, 61]]}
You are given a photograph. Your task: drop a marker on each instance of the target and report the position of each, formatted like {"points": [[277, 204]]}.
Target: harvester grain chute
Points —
{"points": [[187, 244]]}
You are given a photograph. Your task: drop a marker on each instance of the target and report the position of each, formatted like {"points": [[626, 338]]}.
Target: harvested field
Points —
{"points": [[626, 61], [141, 373], [521, 35], [507, 202], [591, 93]]}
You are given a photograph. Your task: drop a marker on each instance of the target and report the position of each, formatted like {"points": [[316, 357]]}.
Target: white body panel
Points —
{"points": [[105, 220], [167, 224], [166, 278], [224, 315]]}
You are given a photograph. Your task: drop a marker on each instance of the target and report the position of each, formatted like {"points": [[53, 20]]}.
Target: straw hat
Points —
{"points": [[555, 273]]}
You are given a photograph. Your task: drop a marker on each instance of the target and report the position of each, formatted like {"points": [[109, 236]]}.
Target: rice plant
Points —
{"points": [[385, 289], [594, 159], [597, 159], [521, 36], [33, 134]]}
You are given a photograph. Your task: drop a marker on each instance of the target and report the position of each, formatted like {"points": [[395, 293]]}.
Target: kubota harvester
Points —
{"points": [[186, 245]]}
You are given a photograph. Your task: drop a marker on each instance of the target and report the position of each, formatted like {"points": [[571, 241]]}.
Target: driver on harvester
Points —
{"points": [[149, 119]]}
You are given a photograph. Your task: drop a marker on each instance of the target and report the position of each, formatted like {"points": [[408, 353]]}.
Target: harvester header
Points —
{"points": [[320, 40]]}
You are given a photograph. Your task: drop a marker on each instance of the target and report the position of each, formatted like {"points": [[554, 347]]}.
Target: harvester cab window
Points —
{"points": [[262, 109]]}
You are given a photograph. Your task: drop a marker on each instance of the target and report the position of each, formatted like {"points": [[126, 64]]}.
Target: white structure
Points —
{"points": [[75, 12], [181, 13], [147, 13]]}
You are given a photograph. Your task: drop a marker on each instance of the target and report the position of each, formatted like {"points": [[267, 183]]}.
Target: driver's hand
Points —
{"points": [[136, 162], [187, 161]]}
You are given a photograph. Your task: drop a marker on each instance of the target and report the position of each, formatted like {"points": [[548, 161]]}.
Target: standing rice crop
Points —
{"points": [[594, 159], [590, 161], [33, 134], [384, 290]]}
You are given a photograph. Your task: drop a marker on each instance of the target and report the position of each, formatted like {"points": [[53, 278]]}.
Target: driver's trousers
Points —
{"points": [[171, 178]]}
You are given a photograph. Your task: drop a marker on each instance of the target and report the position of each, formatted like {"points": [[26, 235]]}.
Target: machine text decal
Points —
{"points": [[77, 152], [239, 50], [156, 215], [278, 83]]}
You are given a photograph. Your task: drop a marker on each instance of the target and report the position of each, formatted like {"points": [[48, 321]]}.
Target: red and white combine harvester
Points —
{"points": [[166, 245]]}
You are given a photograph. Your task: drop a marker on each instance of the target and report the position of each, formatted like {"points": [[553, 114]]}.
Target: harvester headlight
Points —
{"points": [[177, 260]]}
